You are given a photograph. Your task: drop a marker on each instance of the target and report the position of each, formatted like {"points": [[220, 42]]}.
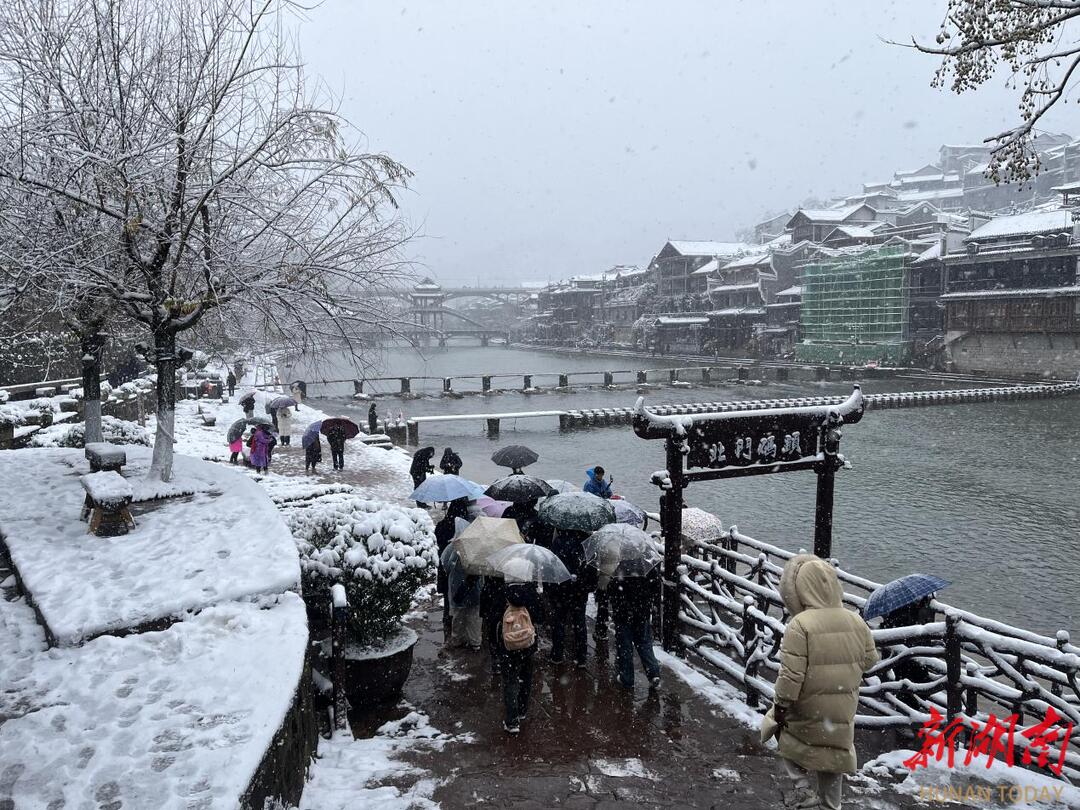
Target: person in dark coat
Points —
{"points": [[421, 467], [492, 605], [516, 666], [444, 533], [631, 607], [230, 381], [372, 420], [313, 454], [335, 437], [532, 529], [450, 463], [568, 598], [248, 404]]}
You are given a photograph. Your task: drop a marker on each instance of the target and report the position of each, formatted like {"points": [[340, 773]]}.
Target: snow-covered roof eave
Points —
{"points": [[678, 425]]}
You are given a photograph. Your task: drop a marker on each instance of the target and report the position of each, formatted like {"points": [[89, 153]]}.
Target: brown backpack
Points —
{"points": [[517, 628]]}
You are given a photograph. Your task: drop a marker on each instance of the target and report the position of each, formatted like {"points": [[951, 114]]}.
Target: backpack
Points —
{"points": [[517, 629]]}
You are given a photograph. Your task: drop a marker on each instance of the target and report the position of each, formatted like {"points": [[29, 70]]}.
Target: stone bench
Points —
{"points": [[104, 456], [108, 496], [376, 440]]}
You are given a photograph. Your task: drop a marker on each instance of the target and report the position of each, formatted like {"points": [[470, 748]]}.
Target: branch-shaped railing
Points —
{"points": [[967, 667]]}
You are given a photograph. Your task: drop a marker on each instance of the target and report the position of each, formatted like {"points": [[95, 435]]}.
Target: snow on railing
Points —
{"points": [[963, 666]]}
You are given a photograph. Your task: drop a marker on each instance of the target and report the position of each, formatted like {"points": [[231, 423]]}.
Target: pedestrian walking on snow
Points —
{"points": [[516, 649], [262, 448], [421, 468], [284, 421], [825, 651], [313, 454], [568, 599], [236, 446], [230, 381], [335, 437], [631, 600], [372, 420], [450, 463]]}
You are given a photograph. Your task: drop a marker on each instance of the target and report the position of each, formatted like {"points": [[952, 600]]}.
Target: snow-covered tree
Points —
{"points": [[227, 186], [1035, 41]]}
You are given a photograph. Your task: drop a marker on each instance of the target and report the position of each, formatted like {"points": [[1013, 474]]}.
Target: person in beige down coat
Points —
{"points": [[825, 651]]}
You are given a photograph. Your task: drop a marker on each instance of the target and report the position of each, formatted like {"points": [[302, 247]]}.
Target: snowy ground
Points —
{"points": [[372, 472], [177, 718], [183, 555], [370, 773]]}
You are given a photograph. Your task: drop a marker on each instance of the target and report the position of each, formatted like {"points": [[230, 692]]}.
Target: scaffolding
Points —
{"points": [[856, 308]]}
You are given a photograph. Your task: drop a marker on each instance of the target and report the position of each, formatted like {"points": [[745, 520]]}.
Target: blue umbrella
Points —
{"points": [[311, 435], [901, 592], [443, 488]]}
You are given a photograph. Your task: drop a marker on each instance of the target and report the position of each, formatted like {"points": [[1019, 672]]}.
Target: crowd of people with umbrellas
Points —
{"points": [[526, 552], [261, 434]]}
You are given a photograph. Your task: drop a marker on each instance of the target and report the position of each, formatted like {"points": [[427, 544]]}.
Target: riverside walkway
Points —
{"points": [[587, 743]]}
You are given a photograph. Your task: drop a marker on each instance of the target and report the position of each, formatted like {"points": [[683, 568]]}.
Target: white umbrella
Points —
{"points": [[482, 538], [529, 562]]}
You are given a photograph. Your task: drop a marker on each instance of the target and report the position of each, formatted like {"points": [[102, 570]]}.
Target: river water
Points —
{"points": [[984, 494]]}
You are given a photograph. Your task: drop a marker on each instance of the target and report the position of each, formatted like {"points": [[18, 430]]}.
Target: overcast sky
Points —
{"points": [[550, 139]]}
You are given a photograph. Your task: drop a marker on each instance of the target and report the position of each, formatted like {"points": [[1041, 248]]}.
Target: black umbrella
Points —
{"points": [[277, 403], [346, 427], [236, 429], [247, 402], [519, 489], [514, 456]]}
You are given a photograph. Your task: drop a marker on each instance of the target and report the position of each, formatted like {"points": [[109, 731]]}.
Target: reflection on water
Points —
{"points": [[983, 494]]}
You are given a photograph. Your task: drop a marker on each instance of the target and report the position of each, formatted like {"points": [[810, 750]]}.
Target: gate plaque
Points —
{"points": [[763, 438]]}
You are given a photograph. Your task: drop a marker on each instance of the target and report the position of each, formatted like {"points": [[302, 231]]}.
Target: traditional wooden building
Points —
{"points": [[677, 263], [1012, 297], [814, 224]]}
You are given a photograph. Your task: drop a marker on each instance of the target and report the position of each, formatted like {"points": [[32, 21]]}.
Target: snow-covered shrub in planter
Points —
{"points": [[4, 395], [381, 553], [73, 434]]}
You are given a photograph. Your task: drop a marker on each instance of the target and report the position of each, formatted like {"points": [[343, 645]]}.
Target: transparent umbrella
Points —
{"points": [[528, 562], [559, 485], [626, 512], [621, 550], [482, 538]]}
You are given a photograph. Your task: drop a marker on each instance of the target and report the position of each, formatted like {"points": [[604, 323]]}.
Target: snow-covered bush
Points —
{"points": [[381, 553], [73, 434], [4, 395], [10, 415]]}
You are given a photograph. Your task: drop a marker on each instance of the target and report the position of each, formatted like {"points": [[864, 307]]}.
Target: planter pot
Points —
{"points": [[377, 673]]}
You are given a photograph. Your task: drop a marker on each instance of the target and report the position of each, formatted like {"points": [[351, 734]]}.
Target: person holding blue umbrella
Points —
{"points": [[906, 602]]}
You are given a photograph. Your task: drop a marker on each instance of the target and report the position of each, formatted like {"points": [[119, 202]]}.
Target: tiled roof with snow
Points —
{"points": [[727, 288], [693, 248], [752, 260], [1032, 292], [709, 267], [935, 194], [796, 290], [931, 253], [1032, 222]]}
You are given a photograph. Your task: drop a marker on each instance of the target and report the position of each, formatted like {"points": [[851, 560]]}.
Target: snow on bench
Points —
{"points": [[107, 489], [105, 456], [225, 542]]}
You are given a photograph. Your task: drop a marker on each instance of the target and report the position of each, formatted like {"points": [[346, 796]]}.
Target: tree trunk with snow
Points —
{"points": [[166, 363], [91, 385]]}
